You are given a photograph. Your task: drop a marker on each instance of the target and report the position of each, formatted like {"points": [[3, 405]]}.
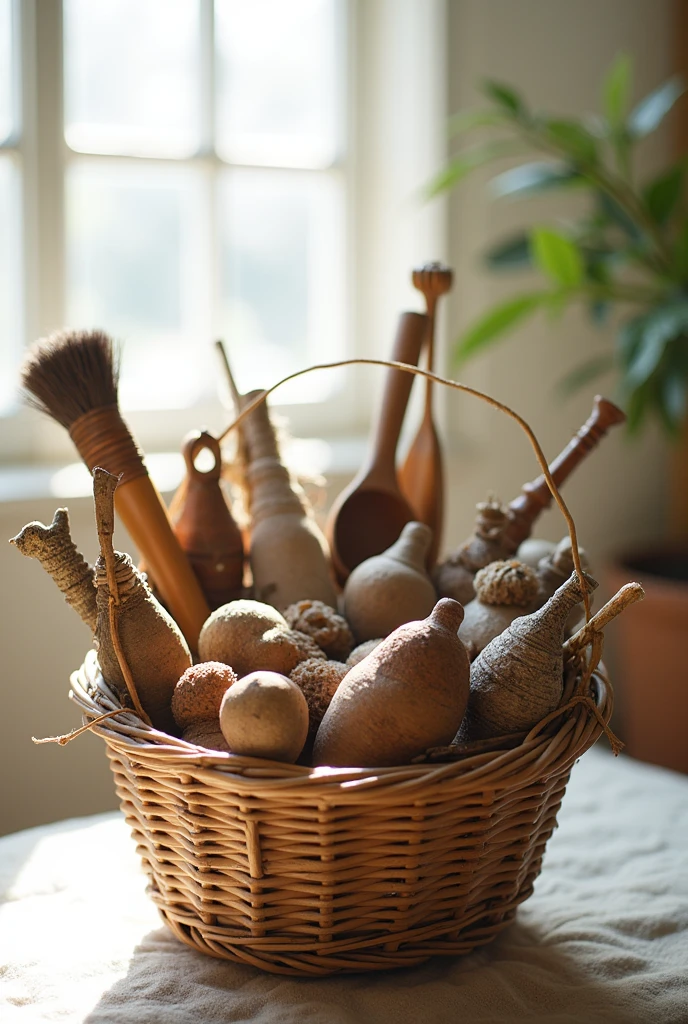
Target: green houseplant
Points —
{"points": [[627, 252]]}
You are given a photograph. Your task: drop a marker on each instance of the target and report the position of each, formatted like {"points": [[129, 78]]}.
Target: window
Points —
{"points": [[181, 170], [201, 177], [10, 177]]}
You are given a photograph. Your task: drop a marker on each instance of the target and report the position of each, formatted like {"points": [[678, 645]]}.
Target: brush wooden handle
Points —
{"points": [[103, 439]]}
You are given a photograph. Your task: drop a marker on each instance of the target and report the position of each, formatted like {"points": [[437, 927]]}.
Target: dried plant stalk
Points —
{"points": [[55, 550], [141, 650]]}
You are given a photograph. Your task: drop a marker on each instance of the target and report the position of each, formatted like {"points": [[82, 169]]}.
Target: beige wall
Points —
{"points": [[556, 52]]}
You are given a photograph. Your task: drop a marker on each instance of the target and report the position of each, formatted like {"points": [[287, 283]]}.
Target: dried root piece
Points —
{"points": [[53, 547]]}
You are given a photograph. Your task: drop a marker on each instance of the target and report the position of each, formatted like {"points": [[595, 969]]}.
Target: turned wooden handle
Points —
{"points": [[408, 342], [536, 496], [144, 514]]}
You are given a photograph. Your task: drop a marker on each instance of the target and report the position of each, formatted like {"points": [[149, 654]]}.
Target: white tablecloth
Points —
{"points": [[604, 938]]}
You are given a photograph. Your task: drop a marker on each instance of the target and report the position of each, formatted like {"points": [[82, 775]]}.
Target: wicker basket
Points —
{"points": [[315, 871]]}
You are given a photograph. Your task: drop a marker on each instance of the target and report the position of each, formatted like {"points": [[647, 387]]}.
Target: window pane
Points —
{"points": [[282, 305], [6, 71], [132, 76], [10, 281], [137, 268], [278, 67]]}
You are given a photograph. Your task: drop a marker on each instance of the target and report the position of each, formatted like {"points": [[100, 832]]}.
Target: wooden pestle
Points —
{"points": [[536, 496], [421, 476]]}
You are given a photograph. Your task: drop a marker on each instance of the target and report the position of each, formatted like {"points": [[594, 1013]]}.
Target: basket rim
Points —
{"points": [[545, 749]]}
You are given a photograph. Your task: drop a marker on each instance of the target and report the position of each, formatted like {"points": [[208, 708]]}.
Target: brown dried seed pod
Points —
{"points": [[518, 678], [408, 695], [199, 692], [327, 627]]}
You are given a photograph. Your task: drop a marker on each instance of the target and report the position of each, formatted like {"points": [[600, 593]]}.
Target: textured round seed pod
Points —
{"points": [[362, 651], [206, 733], [409, 694], [318, 681], [265, 714], [324, 624], [198, 694], [504, 590], [250, 635]]}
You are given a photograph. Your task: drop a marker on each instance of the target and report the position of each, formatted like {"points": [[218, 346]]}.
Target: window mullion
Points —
{"points": [[49, 148]]}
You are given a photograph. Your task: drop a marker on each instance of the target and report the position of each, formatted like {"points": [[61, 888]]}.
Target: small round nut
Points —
{"points": [[199, 692], [265, 715]]}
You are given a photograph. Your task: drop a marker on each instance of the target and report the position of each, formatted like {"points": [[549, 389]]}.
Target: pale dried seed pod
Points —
{"points": [[252, 636], [391, 588], [504, 590]]}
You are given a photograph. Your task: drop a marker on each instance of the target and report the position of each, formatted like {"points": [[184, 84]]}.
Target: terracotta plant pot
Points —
{"points": [[651, 647]]}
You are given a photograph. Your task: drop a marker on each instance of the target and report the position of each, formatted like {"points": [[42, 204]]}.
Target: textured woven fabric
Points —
{"points": [[604, 938]]}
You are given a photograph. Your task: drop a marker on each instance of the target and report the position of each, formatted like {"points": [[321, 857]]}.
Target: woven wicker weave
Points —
{"points": [[314, 871]]}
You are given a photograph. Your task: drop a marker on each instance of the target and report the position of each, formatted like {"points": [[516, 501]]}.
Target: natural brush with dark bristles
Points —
{"points": [[70, 373]]}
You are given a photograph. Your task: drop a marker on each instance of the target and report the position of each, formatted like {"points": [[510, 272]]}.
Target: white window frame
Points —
{"points": [[395, 126]]}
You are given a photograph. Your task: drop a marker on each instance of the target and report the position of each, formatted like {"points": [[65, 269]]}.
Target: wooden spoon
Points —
{"points": [[369, 514], [421, 477]]}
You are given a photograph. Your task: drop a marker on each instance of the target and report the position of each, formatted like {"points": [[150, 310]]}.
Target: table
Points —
{"points": [[604, 938]]}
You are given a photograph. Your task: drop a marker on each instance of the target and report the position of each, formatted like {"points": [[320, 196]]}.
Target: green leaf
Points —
{"points": [[651, 111], [497, 321], [637, 406], [681, 254], [558, 257], [508, 255], [599, 312], [661, 196], [674, 401], [504, 96], [575, 140], [651, 335], [615, 214], [585, 373], [458, 168], [467, 120], [533, 178], [616, 90]]}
